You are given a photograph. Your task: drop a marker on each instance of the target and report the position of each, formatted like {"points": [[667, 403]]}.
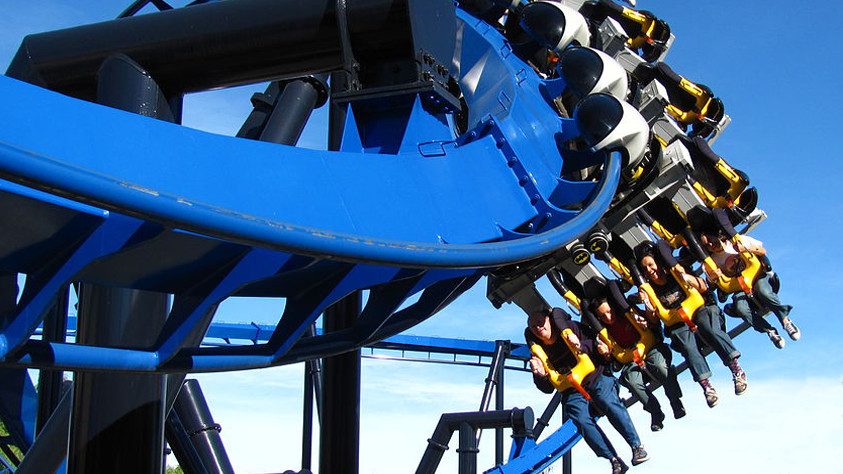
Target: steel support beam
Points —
{"points": [[217, 44], [50, 447], [499, 400], [567, 460], [312, 389], [296, 102], [202, 432], [50, 381], [467, 450], [521, 422], [339, 436], [117, 420]]}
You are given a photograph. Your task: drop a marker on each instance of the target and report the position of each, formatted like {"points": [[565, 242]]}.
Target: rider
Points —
{"points": [[750, 309], [707, 319], [656, 362], [544, 327]]}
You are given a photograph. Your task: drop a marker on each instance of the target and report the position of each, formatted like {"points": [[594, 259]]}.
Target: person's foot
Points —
{"points": [[639, 455], [710, 396], [618, 466], [777, 340], [740, 382], [678, 410], [657, 421], [791, 329]]}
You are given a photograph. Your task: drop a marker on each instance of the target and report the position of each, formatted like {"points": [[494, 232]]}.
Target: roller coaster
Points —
{"points": [[505, 140]]}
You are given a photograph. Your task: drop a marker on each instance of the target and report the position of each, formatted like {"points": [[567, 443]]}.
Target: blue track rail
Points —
{"points": [[150, 205]]}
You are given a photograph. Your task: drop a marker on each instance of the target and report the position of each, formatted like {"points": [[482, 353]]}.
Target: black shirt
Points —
{"points": [[561, 358]]}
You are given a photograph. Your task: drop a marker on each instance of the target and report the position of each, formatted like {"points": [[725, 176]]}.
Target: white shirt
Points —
{"points": [[729, 249]]}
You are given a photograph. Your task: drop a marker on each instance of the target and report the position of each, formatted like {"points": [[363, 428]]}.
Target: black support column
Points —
{"points": [[50, 381], [117, 420], [339, 436]]}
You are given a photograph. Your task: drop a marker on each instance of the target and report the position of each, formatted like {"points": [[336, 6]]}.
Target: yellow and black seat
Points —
{"points": [[715, 181], [692, 105], [665, 220], [648, 35]]}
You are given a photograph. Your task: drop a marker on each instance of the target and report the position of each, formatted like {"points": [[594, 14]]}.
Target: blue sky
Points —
{"points": [[772, 67]]}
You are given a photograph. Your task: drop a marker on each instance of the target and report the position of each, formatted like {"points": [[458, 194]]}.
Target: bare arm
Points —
{"points": [[536, 366], [649, 307], [603, 349], [693, 280], [641, 320], [753, 246]]}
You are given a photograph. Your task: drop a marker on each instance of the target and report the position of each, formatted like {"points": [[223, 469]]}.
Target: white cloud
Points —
{"points": [[779, 426]]}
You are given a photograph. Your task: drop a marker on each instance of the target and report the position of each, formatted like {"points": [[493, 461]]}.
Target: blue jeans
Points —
{"points": [[710, 328], [682, 340], [766, 299], [657, 366], [604, 394]]}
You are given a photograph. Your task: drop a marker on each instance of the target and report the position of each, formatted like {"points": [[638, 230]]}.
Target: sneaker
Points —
{"points": [[678, 411], [740, 382], [710, 396], [777, 340], [639, 455], [618, 466], [791, 329], [657, 421]]}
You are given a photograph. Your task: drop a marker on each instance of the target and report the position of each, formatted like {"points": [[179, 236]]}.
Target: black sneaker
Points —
{"points": [[678, 410], [618, 466], [657, 421], [639, 455]]}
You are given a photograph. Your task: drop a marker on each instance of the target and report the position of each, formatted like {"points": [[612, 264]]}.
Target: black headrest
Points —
{"points": [[702, 220], [723, 220], [616, 296], [659, 251], [662, 210]]}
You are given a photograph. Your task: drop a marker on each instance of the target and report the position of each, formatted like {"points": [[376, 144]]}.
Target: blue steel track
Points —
{"points": [[95, 194]]}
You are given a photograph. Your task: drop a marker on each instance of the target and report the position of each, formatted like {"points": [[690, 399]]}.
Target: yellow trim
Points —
{"points": [[621, 270], [635, 174], [685, 312], [572, 299], [637, 353], [709, 199], [572, 379], [736, 184], [701, 105], [648, 25], [675, 240]]}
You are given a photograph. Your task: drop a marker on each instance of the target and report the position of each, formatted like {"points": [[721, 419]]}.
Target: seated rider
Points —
{"points": [[657, 361], [707, 319], [544, 327], [764, 298]]}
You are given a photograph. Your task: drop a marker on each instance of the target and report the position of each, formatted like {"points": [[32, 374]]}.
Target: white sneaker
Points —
{"points": [[791, 329], [777, 340]]}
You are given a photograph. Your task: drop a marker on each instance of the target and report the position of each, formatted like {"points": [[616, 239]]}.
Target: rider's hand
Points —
{"points": [[537, 367], [574, 341]]}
